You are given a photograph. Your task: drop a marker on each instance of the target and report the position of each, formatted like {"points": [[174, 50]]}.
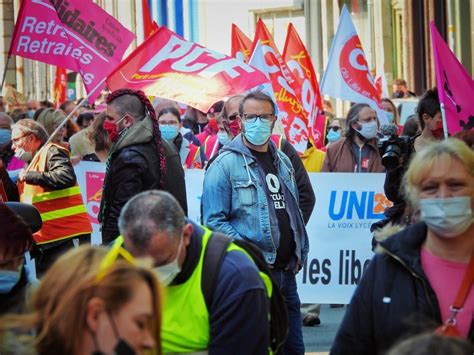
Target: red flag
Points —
{"points": [[168, 66], [59, 89], [298, 60], [292, 122], [149, 26], [77, 35], [455, 86], [241, 44]]}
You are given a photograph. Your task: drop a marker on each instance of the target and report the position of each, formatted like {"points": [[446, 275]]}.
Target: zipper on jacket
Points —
{"points": [[414, 275]]}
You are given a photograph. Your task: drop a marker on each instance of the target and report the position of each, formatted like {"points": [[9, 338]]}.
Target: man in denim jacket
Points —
{"points": [[250, 193]]}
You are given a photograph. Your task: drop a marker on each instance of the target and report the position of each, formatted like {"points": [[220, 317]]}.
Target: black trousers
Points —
{"points": [[46, 254]]}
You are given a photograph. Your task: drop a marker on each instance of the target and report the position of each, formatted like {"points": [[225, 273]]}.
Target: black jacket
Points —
{"points": [[307, 198], [58, 174], [133, 167], [393, 300]]}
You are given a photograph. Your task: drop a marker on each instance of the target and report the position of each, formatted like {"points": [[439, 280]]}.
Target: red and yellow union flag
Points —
{"points": [[292, 119], [298, 60]]}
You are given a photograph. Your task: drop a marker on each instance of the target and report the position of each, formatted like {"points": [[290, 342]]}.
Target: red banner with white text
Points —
{"points": [[168, 66]]}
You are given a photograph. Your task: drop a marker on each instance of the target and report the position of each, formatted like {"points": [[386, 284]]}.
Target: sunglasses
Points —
{"points": [[110, 258], [334, 128], [234, 116]]}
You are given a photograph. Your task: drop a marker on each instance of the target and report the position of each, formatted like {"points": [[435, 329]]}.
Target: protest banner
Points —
{"points": [[76, 34], [455, 86], [292, 121], [298, 60], [347, 75], [338, 230], [168, 66], [240, 44], [339, 234]]}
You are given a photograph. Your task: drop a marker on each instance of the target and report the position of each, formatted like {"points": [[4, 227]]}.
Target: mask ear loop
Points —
{"points": [[96, 344], [114, 327]]}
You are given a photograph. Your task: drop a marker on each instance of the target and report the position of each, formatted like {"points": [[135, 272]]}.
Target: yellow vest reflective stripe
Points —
{"points": [[52, 195], [70, 211]]}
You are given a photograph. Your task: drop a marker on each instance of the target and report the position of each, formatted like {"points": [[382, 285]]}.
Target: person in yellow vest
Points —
{"points": [[153, 225], [49, 183]]}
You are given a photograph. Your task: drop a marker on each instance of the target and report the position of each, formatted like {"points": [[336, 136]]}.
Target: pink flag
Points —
{"points": [[455, 86], [75, 34]]}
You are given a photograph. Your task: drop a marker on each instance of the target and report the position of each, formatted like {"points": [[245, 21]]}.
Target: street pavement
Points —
{"points": [[319, 339]]}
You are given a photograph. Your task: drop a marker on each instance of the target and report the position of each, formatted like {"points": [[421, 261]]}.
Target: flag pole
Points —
{"points": [[38, 153], [5, 72], [443, 119]]}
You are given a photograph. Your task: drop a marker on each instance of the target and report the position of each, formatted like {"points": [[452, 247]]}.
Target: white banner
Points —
{"points": [[339, 234], [339, 228]]}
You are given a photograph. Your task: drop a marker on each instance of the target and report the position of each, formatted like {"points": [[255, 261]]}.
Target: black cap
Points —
{"points": [[28, 213]]}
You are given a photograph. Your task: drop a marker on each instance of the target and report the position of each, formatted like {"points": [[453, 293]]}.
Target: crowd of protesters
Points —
{"points": [[146, 287]]}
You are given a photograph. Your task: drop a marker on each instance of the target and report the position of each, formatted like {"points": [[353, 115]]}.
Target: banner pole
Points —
{"points": [[38, 153], [443, 119], [5, 72]]}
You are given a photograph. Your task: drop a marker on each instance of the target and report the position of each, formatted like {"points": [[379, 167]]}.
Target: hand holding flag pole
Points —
{"points": [[89, 94]]}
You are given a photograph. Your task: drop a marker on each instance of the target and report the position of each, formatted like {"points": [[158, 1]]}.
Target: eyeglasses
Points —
{"points": [[334, 128], [17, 139], [234, 117], [264, 117], [111, 257]]}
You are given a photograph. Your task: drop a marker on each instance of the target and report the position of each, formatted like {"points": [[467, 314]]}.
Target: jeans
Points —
{"points": [[286, 281]]}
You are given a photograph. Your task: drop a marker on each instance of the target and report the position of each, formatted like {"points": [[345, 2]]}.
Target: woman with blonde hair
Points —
{"points": [[423, 277], [50, 120], [92, 302]]}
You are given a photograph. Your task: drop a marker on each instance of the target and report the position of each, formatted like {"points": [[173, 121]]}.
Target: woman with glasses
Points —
{"points": [[92, 301], [333, 131], [423, 276], [170, 127], [49, 183]]}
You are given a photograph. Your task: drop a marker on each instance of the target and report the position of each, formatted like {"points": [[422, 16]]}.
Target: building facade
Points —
{"points": [[394, 33]]}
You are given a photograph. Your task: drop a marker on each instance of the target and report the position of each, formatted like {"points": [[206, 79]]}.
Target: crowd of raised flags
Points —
{"points": [[82, 37]]}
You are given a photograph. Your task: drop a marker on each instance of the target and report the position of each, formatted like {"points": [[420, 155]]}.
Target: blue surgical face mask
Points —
{"points": [[258, 132], [8, 279], [333, 136], [389, 116], [31, 113], [5, 136], [168, 132], [223, 138], [368, 130]]}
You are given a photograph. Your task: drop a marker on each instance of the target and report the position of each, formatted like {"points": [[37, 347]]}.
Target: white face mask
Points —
{"points": [[167, 273], [23, 155], [447, 217], [368, 130]]}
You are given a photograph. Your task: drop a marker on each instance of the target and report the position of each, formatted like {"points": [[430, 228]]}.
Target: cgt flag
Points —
{"points": [[166, 65], [347, 75], [75, 34], [298, 60], [455, 86], [292, 120], [241, 45]]}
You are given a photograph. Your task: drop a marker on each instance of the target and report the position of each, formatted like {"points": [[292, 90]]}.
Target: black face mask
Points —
{"points": [[122, 347], [398, 94]]}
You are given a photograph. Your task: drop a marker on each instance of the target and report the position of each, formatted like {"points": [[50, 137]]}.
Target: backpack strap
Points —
{"points": [[214, 254]]}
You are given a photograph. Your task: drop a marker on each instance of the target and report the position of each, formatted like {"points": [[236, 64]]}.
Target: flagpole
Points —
{"points": [[38, 153], [5, 73], [443, 119]]}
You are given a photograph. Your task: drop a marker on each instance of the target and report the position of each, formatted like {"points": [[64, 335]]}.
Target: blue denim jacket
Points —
{"points": [[235, 202]]}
